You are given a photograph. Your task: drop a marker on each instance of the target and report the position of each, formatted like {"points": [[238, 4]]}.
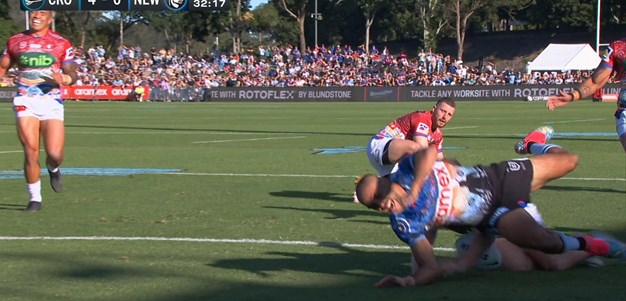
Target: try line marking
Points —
{"points": [[216, 240], [251, 139], [335, 176]]}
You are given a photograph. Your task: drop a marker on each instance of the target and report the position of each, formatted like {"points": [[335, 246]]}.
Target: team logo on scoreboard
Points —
{"points": [[176, 4], [32, 4]]}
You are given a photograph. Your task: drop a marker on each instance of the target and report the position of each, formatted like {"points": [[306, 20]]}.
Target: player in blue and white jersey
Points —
{"points": [[425, 194]]}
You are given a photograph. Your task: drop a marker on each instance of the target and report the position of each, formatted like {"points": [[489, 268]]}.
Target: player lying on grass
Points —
{"points": [[425, 194], [504, 255]]}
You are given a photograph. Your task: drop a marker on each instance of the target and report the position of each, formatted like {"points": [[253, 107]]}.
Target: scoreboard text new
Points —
{"points": [[125, 5]]}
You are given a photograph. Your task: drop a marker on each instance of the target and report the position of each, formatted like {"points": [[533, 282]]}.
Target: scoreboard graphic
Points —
{"points": [[125, 5]]}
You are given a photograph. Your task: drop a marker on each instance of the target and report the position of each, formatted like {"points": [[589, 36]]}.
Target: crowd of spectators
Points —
{"points": [[165, 69]]}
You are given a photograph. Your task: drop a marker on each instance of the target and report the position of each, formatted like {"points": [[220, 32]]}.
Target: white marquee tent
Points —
{"points": [[563, 57]]}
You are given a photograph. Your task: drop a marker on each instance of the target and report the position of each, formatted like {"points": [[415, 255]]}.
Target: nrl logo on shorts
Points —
{"points": [[514, 166]]}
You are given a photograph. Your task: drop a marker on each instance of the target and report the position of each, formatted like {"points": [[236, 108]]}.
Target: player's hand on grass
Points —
{"points": [[395, 281]]}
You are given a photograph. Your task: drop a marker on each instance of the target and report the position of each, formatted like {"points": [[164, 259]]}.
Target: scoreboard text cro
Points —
{"points": [[125, 5]]}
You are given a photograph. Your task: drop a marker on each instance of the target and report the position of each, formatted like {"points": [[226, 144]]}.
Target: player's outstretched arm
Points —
{"points": [[424, 161], [596, 81], [428, 271]]}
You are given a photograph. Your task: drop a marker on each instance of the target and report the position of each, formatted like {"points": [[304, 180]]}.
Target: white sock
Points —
{"points": [[55, 169], [35, 191]]}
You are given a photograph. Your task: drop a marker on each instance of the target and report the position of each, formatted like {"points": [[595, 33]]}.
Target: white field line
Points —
{"points": [[157, 132], [227, 174], [11, 152], [574, 121], [461, 127], [211, 174], [251, 139], [595, 179], [215, 240]]}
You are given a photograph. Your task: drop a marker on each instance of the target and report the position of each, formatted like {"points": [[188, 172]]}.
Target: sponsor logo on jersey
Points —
{"points": [[403, 225], [36, 60], [444, 201], [422, 127]]}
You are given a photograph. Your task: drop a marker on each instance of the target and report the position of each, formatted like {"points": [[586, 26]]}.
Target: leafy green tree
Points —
{"points": [[430, 13], [266, 20], [370, 8], [297, 10]]}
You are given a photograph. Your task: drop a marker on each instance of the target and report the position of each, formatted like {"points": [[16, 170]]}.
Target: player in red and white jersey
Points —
{"points": [[44, 62], [408, 134], [613, 63]]}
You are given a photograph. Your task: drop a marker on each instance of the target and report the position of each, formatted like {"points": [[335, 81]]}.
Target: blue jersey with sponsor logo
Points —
{"points": [[451, 195]]}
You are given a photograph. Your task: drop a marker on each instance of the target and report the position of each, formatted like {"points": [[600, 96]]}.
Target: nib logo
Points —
{"points": [[36, 60]]}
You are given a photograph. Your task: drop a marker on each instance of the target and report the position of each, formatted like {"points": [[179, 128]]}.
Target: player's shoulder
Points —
{"points": [[56, 36], [420, 114], [18, 37]]}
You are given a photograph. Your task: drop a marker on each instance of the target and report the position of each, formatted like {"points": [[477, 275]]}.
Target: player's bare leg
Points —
{"points": [[28, 133], [53, 132], [555, 164]]}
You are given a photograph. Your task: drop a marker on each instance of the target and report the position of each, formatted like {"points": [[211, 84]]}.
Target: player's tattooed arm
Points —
{"points": [[70, 71], [596, 81]]}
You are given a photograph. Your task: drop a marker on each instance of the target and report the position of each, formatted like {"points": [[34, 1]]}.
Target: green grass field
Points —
{"points": [[257, 212]]}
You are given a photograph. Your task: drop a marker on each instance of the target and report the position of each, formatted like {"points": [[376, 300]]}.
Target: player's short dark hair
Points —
{"points": [[447, 101]]}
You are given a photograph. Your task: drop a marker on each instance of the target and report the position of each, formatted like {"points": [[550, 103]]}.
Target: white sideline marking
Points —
{"points": [[462, 127], [10, 152], [334, 176], [215, 240], [251, 139], [595, 179], [210, 174]]}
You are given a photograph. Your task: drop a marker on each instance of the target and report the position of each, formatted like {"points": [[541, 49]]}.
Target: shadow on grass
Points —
{"points": [[12, 207], [337, 213], [321, 195], [332, 272]]}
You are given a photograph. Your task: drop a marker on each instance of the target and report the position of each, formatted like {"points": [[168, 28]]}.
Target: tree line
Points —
{"points": [[303, 22]]}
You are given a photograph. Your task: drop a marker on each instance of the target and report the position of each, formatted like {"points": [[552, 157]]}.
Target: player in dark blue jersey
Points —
{"points": [[425, 194]]}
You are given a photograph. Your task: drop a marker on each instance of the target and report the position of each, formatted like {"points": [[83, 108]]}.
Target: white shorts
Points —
{"points": [[375, 151], [42, 107]]}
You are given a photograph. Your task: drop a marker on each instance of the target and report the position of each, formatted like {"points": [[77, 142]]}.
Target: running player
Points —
{"points": [[44, 61], [613, 60], [425, 194]]}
